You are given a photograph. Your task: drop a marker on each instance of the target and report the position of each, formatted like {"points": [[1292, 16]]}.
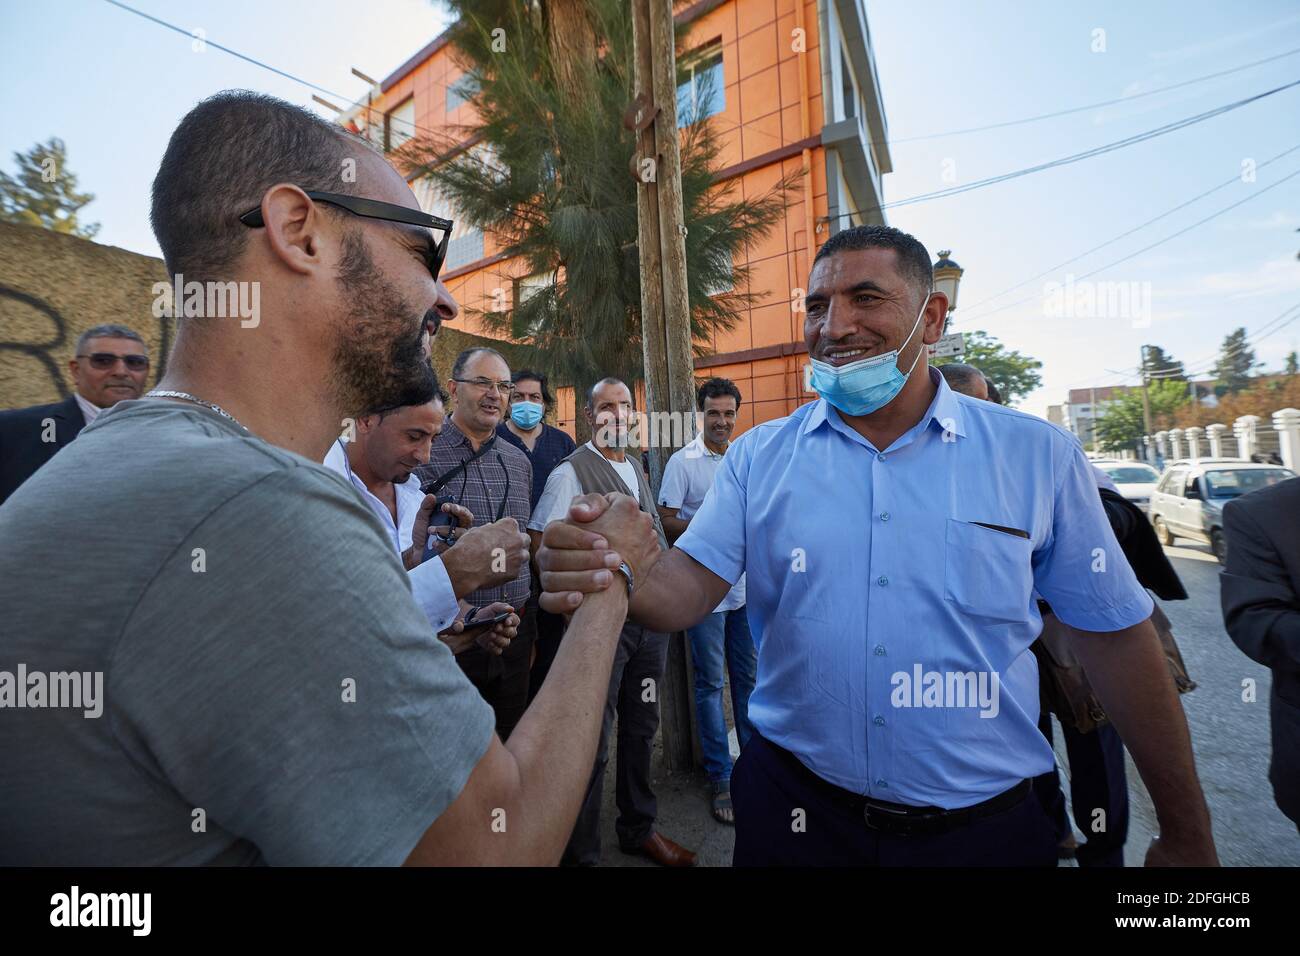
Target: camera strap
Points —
{"points": [[437, 484]]}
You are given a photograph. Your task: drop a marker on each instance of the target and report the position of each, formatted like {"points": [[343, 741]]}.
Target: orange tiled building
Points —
{"points": [[791, 85]]}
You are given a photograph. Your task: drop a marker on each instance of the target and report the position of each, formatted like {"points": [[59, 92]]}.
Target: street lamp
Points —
{"points": [[947, 277]]}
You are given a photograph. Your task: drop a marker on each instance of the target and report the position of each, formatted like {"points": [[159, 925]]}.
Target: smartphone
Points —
{"points": [[477, 624], [440, 523]]}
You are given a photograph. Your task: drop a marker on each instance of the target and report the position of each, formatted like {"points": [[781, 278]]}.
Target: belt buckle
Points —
{"points": [[900, 822]]}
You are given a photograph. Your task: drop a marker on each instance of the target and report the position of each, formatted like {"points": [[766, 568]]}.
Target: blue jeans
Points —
{"points": [[722, 631]]}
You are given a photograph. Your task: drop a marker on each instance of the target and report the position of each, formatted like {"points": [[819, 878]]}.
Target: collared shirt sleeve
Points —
{"points": [[716, 535], [672, 493], [562, 487], [431, 586], [1081, 570]]}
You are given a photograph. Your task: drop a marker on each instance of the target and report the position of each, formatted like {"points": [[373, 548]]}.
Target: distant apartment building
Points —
{"points": [[789, 85], [1084, 406]]}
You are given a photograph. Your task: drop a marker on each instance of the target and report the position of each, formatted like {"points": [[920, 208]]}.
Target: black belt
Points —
{"points": [[902, 819]]}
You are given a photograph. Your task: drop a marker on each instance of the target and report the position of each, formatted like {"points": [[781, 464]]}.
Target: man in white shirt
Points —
{"points": [[687, 479], [380, 462]]}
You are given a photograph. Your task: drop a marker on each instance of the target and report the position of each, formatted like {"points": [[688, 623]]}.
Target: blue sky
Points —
{"points": [[948, 65], [113, 86]]}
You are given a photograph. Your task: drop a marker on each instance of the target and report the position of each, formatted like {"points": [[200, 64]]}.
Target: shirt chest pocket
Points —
{"points": [[987, 573]]}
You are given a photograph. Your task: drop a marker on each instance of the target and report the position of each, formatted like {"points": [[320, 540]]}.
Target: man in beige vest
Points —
{"points": [[602, 466]]}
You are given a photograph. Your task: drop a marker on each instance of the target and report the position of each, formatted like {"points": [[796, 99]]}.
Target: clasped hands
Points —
{"points": [[580, 553]]}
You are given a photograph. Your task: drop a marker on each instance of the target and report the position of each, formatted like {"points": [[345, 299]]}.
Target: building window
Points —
{"points": [[528, 286], [462, 91], [463, 249], [849, 91], [525, 288], [844, 85], [466, 242], [702, 90], [400, 125]]}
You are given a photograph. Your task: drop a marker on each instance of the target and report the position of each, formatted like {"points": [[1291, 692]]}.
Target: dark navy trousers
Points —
{"points": [[787, 816]]}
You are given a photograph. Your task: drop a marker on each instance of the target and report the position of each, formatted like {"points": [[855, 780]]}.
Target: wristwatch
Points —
{"points": [[626, 571]]}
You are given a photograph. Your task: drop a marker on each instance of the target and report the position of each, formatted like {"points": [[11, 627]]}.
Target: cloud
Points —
{"points": [[1271, 277], [1218, 45], [1277, 220]]}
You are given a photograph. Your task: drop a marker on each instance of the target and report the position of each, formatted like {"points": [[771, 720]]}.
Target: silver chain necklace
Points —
{"points": [[186, 396]]}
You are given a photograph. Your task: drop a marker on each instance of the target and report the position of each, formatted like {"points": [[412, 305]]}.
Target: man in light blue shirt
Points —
{"points": [[892, 535]]}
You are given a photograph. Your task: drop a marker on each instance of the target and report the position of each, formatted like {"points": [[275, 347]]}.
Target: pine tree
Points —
{"points": [[549, 175], [44, 192], [1157, 365], [1236, 360]]}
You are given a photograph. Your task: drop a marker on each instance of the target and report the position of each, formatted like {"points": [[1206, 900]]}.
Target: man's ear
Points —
{"points": [[367, 423], [936, 311], [294, 228]]}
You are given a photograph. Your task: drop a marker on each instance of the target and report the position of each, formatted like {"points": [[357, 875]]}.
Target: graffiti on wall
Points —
{"points": [[50, 352]]}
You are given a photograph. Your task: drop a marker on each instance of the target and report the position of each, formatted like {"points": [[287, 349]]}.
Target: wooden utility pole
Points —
{"points": [[665, 309], [1146, 396]]}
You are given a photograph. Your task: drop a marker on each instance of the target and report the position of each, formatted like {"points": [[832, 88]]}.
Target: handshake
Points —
{"points": [[581, 553]]}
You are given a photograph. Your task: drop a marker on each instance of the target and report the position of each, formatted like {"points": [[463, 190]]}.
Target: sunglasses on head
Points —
{"points": [[374, 209], [107, 360]]}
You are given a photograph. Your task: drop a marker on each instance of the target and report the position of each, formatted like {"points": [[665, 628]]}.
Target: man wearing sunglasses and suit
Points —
{"points": [[111, 363]]}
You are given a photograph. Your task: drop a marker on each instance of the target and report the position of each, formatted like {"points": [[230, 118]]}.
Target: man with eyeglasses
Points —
{"points": [[469, 464], [110, 364], [272, 692]]}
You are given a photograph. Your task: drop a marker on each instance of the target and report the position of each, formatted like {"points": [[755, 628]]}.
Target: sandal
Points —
{"points": [[721, 804]]}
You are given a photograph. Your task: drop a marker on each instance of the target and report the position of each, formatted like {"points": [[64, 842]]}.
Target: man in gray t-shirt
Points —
{"points": [[299, 709], [209, 652]]}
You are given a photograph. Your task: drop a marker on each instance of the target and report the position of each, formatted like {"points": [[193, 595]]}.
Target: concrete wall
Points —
{"points": [[52, 288]]}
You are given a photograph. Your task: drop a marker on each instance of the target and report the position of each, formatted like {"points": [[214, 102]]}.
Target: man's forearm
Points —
{"points": [[554, 745], [674, 527], [670, 596], [1130, 675]]}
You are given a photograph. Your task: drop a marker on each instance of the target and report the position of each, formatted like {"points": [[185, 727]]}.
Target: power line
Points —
{"points": [[1137, 228], [1188, 370], [1147, 248], [1076, 157], [1093, 106], [259, 63], [1201, 366]]}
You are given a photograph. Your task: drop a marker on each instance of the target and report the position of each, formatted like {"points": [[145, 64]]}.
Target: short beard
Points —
{"points": [[377, 364]]}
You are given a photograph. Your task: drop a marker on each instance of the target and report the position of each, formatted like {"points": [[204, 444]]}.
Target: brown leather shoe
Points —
{"points": [[663, 851]]}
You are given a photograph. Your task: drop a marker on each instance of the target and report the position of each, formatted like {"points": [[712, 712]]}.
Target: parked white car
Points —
{"points": [[1133, 479], [1188, 502]]}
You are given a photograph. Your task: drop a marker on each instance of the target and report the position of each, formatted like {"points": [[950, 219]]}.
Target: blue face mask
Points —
{"points": [[868, 384], [526, 414]]}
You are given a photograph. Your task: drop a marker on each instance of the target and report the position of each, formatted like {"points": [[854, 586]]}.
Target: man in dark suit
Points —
{"points": [[111, 363], [1260, 590]]}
